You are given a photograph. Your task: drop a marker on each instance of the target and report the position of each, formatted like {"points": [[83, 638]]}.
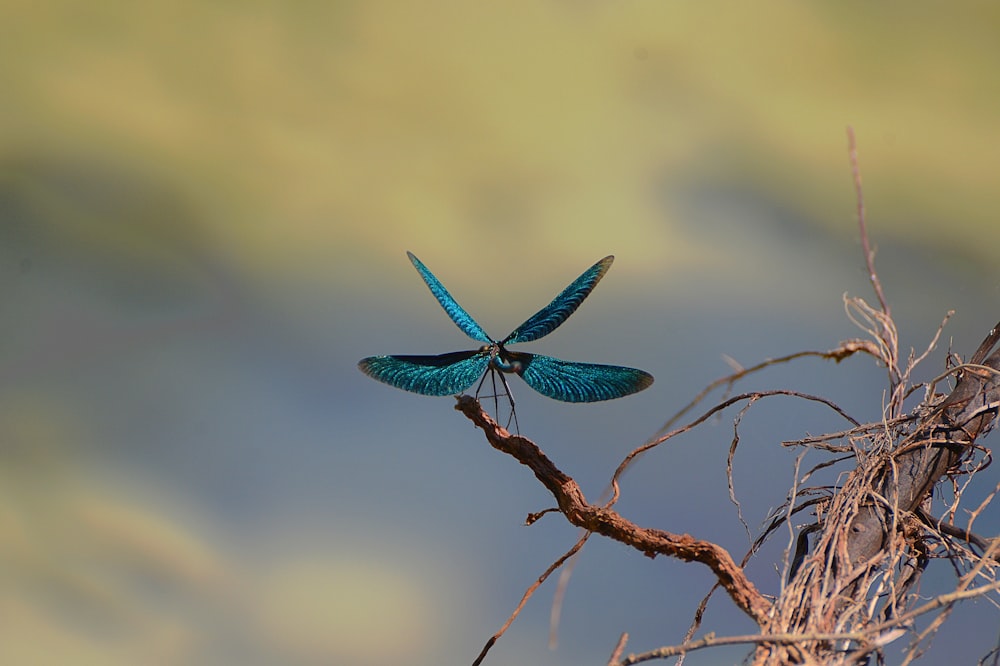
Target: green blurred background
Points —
{"points": [[204, 209]]}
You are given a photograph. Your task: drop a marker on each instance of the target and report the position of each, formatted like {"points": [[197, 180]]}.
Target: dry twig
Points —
{"points": [[849, 589]]}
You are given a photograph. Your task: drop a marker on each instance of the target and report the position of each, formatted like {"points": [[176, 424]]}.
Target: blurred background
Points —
{"points": [[204, 213]]}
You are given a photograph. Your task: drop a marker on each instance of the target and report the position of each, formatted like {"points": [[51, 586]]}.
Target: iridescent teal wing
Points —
{"points": [[446, 374], [562, 306], [578, 382], [450, 305]]}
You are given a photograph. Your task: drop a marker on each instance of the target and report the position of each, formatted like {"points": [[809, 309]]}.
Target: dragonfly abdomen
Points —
{"points": [[502, 361]]}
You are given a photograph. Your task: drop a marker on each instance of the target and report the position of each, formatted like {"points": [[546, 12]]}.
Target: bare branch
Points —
{"points": [[756, 395], [862, 224], [852, 585], [619, 648], [839, 353], [527, 595], [604, 521]]}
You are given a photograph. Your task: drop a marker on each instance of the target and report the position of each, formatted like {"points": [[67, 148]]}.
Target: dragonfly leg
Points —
{"points": [[510, 399], [496, 394], [493, 373], [482, 381]]}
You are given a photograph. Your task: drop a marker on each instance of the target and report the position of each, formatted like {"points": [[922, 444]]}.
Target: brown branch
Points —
{"points": [[937, 602], [711, 640], [953, 531], [839, 353], [875, 636], [619, 648], [871, 550], [860, 195], [527, 595], [602, 520], [842, 434], [756, 395], [939, 442]]}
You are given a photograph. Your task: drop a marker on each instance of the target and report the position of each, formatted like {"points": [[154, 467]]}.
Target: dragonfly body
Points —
{"points": [[455, 372]]}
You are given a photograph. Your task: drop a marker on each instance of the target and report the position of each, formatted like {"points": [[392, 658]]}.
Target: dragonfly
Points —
{"points": [[456, 372]]}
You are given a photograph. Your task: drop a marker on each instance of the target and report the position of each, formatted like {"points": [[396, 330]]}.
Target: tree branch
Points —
{"points": [[609, 523], [938, 443]]}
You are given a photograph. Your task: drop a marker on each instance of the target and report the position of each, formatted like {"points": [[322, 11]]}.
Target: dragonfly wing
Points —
{"points": [[446, 374], [562, 306], [450, 305], [578, 382]]}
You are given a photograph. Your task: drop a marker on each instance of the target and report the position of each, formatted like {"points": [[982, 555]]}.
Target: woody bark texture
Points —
{"points": [[607, 522], [938, 445], [870, 548]]}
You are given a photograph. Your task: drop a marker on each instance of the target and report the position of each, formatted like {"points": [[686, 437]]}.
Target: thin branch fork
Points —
{"points": [[609, 523]]}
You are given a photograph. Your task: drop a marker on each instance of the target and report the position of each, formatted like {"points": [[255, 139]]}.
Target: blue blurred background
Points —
{"points": [[204, 209]]}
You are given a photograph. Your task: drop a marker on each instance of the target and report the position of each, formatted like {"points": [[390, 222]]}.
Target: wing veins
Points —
{"points": [[562, 306], [444, 374], [457, 313], [572, 381]]}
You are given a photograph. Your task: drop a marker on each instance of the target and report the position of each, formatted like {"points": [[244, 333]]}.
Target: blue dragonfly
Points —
{"points": [[454, 372]]}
